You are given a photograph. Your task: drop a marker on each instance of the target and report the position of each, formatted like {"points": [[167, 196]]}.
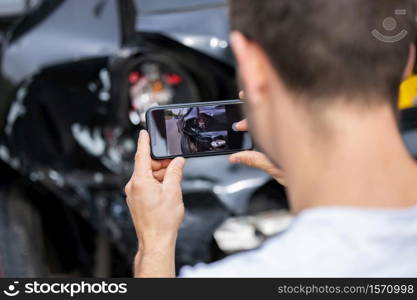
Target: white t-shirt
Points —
{"points": [[330, 242]]}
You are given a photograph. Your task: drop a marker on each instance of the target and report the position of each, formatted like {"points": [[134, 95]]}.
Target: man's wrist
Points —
{"points": [[157, 242], [156, 253]]}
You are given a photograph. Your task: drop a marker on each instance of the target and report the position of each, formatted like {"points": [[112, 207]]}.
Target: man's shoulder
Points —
{"points": [[285, 255], [328, 242]]}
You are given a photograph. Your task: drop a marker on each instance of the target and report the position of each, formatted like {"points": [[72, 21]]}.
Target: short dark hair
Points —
{"points": [[327, 48]]}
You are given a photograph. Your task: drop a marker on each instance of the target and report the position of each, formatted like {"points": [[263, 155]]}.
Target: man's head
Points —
{"points": [[299, 59]]}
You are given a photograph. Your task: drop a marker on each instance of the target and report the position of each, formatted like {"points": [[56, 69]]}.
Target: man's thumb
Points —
{"points": [[173, 175]]}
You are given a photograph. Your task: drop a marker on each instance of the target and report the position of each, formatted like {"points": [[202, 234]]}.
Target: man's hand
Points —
{"points": [[155, 202], [255, 159]]}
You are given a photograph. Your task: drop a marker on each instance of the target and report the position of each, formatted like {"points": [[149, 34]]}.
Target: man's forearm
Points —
{"points": [[155, 260]]}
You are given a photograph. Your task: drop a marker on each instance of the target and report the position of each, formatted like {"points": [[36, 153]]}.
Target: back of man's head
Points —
{"points": [[327, 48]]}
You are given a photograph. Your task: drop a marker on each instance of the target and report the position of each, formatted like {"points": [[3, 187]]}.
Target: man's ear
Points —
{"points": [[253, 66], [411, 62]]}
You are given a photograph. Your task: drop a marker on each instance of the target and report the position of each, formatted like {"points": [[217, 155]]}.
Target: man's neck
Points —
{"points": [[362, 163]]}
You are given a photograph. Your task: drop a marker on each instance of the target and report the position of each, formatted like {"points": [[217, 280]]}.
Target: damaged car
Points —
{"points": [[72, 102]]}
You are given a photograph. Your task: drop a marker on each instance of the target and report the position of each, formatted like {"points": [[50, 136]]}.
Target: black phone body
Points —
{"points": [[196, 129]]}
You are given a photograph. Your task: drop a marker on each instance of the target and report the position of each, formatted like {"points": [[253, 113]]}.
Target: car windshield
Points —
{"points": [[152, 6]]}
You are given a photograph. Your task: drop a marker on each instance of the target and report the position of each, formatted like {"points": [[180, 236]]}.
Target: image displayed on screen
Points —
{"points": [[197, 129]]}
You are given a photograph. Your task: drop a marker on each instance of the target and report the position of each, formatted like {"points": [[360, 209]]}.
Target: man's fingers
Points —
{"points": [[159, 175], [242, 95], [159, 168], [173, 175], [258, 160], [143, 160], [252, 159], [160, 164], [156, 165], [128, 187], [166, 162], [241, 126]]}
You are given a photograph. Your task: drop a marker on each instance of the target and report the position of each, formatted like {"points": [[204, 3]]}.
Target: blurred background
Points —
{"points": [[76, 77]]}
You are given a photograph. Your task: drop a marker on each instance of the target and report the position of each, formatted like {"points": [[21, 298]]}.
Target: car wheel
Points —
{"points": [[21, 247]]}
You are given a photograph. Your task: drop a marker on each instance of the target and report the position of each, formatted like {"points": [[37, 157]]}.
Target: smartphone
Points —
{"points": [[196, 129]]}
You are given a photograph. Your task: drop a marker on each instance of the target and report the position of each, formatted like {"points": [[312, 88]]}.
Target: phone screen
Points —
{"points": [[197, 130]]}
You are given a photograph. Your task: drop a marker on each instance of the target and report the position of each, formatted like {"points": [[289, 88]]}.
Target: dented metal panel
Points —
{"points": [[64, 77]]}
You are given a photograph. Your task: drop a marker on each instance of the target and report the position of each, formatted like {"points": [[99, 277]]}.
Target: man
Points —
{"points": [[321, 93]]}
